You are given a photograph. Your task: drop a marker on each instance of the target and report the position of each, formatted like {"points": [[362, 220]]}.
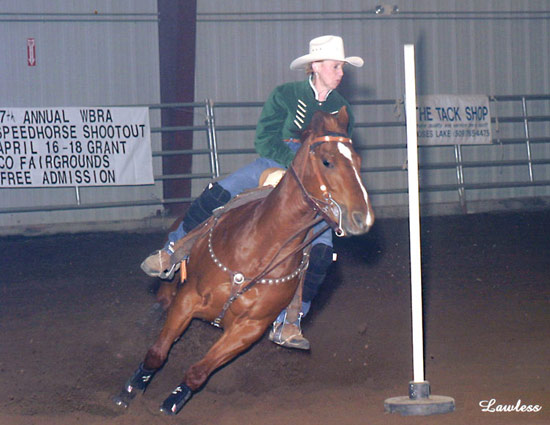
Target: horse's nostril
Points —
{"points": [[363, 220], [359, 219]]}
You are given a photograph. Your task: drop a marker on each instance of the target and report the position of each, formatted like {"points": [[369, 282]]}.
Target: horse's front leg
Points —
{"points": [[240, 335], [179, 317], [166, 293]]}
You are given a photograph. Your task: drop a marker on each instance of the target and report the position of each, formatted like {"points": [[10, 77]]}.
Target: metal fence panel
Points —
{"points": [[98, 54], [457, 179]]}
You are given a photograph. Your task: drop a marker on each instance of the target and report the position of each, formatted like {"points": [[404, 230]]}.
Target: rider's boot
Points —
{"points": [[286, 331], [159, 264]]}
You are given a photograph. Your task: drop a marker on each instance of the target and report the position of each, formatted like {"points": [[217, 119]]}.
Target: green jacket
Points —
{"points": [[288, 111]]}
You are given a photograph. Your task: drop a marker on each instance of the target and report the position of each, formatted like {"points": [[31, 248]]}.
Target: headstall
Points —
{"points": [[322, 206]]}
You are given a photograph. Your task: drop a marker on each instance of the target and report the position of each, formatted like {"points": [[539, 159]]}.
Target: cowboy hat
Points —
{"points": [[326, 47]]}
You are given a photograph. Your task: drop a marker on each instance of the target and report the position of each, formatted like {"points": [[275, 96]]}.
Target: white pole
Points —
{"points": [[420, 400], [414, 215]]}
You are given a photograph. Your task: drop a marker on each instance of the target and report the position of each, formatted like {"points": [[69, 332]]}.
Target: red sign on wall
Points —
{"points": [[31, 52]]}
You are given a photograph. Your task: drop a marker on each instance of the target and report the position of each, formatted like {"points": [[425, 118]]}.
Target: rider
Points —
{"points": [[287, 112]]}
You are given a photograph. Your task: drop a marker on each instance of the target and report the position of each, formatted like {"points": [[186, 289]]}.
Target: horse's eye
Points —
{"points": [[327, 163]]}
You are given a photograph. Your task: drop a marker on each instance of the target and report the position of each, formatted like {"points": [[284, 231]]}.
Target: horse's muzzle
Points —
{"points": [[358, 222]]}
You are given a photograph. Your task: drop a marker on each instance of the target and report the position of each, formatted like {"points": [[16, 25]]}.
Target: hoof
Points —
{"points": [[175, 401], [124, 398], [137, 382]]}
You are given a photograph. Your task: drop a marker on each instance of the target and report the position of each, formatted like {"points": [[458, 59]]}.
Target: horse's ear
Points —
{"points": [[343, 117]]}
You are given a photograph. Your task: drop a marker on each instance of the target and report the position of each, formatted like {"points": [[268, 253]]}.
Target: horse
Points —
{"points": [[246, 264]]}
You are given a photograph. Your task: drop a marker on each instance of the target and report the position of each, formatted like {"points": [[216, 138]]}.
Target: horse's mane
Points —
{"points": [[316, 123], [305, 134]]}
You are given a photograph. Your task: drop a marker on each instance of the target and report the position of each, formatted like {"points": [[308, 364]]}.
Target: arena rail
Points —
{"points": [[520, 118]]}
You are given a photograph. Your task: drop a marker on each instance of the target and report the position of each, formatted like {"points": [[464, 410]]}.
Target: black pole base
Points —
{"points": [[420, 402]]}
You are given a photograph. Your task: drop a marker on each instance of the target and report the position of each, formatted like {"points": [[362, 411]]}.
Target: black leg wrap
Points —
{"points": [[175, 401], [138, 381], [320, 258], [212, 197]]}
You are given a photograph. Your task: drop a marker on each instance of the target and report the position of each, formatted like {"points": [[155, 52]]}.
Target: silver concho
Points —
{"points": [[238, 278]]}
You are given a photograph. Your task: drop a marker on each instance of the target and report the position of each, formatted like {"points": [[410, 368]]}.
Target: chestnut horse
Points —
{"points": [[245, 268]]}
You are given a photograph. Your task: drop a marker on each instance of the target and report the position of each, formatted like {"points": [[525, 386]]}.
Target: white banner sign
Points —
{"points": [[453, 119], [54, 147]]}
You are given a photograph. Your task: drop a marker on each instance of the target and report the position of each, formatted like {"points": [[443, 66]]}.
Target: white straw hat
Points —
{"points": [[326, 47]]}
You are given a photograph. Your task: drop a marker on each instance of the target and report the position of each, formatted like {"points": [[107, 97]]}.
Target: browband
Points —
{"points": [[336, 137]]}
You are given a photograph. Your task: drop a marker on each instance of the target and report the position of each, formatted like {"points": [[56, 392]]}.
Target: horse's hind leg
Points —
{"points": [[178, 319], [234, 341]]}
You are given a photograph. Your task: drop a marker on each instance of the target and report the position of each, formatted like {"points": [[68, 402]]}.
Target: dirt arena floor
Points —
{"points": [[76, 319]]}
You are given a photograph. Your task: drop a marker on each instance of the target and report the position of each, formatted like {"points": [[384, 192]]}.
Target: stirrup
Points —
{"points": [[169, 273]]}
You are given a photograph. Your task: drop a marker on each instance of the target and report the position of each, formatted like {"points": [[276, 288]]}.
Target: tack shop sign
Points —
{"points": [[453, 119], [56, 147]]}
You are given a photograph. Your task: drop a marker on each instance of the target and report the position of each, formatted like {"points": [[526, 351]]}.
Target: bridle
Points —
{"points": [[322, 206]]}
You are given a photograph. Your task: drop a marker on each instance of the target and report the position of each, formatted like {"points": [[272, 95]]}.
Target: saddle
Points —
{"points": [[182, 248], [268, 180]]}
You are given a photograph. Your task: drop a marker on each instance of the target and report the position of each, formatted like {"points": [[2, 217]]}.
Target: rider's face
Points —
{"points": [[328, 73]]}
